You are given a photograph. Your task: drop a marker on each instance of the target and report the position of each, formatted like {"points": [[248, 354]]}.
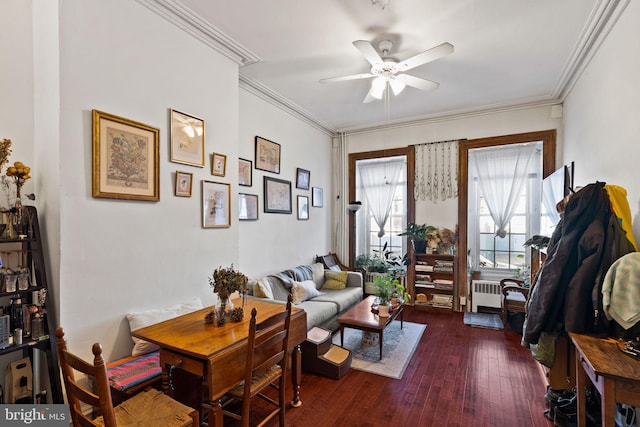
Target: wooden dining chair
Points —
{"points": [[265, 367], [150, 407], [514, 297]]}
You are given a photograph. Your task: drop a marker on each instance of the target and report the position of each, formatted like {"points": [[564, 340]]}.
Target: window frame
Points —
{"points": [[409, 152], [548, 138]]}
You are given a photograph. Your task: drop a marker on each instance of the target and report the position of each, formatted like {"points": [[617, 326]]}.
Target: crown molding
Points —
{"points": [[453, 115], [603, 18], [184, 18], [283, 103]]}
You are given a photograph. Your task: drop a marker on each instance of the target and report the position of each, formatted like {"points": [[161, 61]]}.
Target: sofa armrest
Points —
{"points": [[354, 279]]}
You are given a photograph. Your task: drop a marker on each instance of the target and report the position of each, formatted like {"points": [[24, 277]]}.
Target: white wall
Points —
{"points": [[445, 213], [279, 241], [601, 114], [109, 257]]}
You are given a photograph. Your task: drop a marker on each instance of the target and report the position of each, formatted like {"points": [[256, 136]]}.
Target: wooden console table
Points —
{"points": [[216, 353], [614, 374]]}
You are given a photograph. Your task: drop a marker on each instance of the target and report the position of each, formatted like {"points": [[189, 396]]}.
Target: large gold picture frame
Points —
{"points": [[125, 159]]}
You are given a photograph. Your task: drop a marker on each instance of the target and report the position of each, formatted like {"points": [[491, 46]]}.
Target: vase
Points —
{"points": [[383, 310], [224, 307]]}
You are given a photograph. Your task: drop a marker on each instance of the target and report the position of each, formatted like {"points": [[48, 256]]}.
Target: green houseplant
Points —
{"points": [[418, 235], [386, 286]]}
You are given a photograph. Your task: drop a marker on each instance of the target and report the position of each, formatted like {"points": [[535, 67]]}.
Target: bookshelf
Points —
{"points": [[433, 281]]}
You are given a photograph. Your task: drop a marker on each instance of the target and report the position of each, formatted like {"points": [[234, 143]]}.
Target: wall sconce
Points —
{"points": [[354, 206]]}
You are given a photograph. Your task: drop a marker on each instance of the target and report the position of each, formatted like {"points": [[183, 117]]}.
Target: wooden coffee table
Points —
{"points": [[361, 317]]}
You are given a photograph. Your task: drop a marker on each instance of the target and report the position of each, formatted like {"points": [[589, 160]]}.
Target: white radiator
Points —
{"points": [[485, 293]]}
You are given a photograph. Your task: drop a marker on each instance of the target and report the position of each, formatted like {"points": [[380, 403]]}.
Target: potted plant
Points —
{"points": [[372, 264], [385, 286], [400, 293], [417, 233]]}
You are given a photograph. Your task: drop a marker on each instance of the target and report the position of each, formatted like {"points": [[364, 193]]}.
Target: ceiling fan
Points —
{"points": [[387, 71]]}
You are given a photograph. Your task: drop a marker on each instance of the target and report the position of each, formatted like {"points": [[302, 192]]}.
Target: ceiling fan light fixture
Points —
{"points": [[377, 87], [396, 85]]}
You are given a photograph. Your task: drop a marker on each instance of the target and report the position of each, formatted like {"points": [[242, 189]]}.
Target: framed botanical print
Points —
{"points": [[247, 207], [302, 179], [218, 164], [125, 159], [187, 139], [277, 195], [267, 155], [184, 182], [216, 208], [245, 172], [303, 207]]}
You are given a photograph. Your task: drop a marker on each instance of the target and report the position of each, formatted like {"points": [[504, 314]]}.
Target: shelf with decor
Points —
{"points": [[25, 321], [432, 281]]}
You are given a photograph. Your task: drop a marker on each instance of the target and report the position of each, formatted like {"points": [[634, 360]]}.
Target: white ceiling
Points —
{"points": [[508, 53]]}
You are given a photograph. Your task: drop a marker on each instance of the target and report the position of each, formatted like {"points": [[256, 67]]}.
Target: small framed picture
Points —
{"points": [[184, 181], [267, 155], [277, 195], [303, 207], [218, 164], [245, 172], [125, 159], [302, 179], [247, 207], [216, 198], [187, 139], [316, 197]]}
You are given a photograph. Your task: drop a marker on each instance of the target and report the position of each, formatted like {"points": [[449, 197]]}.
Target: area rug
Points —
{"points": [[483, 320], [398, 347]]}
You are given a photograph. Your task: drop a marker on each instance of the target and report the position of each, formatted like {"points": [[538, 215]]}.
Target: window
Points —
{"points": [[467, 206], [488, 251], [359, 225], [367, 240], [394, 226], [507, 252]]}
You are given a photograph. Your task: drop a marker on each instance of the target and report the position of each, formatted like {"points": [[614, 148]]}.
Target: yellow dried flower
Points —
{"points": [[20, 173]]}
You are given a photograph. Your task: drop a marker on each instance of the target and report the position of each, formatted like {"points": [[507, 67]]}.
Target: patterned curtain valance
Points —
{"points": [[436, 170]]}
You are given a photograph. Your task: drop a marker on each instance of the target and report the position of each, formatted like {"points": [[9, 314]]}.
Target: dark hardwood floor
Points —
{"points": [[458, 376]]}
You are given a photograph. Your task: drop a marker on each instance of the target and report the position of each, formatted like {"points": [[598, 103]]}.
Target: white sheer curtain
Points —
{"points": [[378, 181], [502, 171]]}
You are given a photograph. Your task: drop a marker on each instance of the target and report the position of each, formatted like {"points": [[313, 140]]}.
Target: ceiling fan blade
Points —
{"points": [[417, 82], [368, 51], [344, 78], [426, 56]]}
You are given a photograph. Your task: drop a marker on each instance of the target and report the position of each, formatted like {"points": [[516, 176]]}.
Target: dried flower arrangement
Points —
{"points": [[224, 282]]}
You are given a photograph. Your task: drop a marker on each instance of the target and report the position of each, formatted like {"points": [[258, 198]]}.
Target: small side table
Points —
{"points": [[614, 374]]}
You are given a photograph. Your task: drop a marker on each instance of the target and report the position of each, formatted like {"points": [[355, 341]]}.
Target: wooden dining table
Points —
{"points": [[217, 353]]}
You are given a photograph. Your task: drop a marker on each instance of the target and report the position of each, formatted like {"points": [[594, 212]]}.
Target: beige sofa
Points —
{"points": [[316, 290]]}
